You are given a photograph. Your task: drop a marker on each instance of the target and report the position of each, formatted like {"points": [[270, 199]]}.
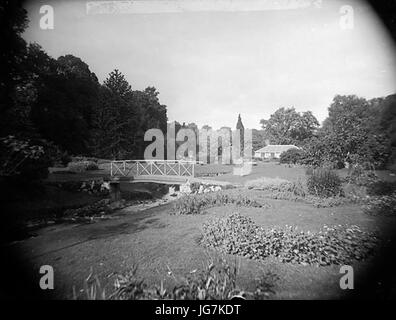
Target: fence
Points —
{"points": [[136, 168]]}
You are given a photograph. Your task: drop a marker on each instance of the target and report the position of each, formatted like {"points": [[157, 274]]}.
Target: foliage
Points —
{"points": [[324, 183], [81, 166], [122, 116], [258, 139], [359, 175], [66, 94], [287, 126], [82, 158], [197, 203], [328, 202], [62, 101], [388, 122], [352, 133], [217, 281], [97, 186], [24, 159], [277, 187], [291, 156], [381, 205], [13, 20], [238, 234], [381, 188]]}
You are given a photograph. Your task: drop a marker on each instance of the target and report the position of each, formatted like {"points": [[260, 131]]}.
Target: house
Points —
{"points": [[273, 151]]}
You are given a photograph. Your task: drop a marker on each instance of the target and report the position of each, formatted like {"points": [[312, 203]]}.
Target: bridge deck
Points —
{"points": [[170, 180]]}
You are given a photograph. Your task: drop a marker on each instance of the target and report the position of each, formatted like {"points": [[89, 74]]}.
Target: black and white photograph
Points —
{"points": [[224, 150]]}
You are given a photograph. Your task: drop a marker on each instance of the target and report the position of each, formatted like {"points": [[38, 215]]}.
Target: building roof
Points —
{"points": [[276, 148]]}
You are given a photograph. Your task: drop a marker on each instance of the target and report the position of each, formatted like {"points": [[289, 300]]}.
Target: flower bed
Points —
{"points": [[197, 203], [238, 234]]}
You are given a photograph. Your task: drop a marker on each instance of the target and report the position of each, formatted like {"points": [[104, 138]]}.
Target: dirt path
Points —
{"points": [[158, 241], [72, 249]]}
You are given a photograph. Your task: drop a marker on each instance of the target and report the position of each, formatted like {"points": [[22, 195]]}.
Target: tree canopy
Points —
{"points": [[287, 126]]}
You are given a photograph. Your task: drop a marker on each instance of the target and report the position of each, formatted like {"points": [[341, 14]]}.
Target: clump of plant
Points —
{"points": [[361, 175], [381, 188], [381, 205], [24, 159], [324, 183], [217, 281], [277, 187], [238, 234], [291, 156], [95, 186], [328, 202], [81, 166], [198, 203]]}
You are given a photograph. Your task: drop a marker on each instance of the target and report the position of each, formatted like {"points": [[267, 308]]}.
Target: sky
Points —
{"points": [[209, 66]]}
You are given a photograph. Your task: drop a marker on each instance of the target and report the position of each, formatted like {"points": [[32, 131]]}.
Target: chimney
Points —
{"points": [[267, 142]]}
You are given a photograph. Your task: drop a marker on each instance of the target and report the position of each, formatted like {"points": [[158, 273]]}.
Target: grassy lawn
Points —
{"points": [[167, 245], [161, 242], [273, 170]]}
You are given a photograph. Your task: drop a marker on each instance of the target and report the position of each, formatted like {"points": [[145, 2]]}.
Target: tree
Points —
{"points": [[388, 121], [287, 126], [105, 141], [351, 133], [117, 83], [114, 121], [123, 116], [152, 115], [65, 99], [13, 21], [258, 139]]}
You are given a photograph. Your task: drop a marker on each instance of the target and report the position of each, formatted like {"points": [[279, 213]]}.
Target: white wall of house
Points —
{"points": [[267, 155]]}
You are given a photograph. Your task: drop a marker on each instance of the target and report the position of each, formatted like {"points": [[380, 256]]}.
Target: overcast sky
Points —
{"points": [[210, 66]]}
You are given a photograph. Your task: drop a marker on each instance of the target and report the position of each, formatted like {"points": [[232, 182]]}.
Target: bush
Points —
{"points": [[324, 183], [291, 156], [81, 166], [238, 234], [278, 188], [381, 188], [329, 202], [197, 203], [381, 205], [361, 175], [24, 160], [82, 158]]}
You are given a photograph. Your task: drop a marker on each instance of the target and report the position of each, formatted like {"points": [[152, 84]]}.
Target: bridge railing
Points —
{"points": [[136, 168]]}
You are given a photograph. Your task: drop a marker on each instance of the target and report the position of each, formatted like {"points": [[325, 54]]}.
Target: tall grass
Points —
{"points": [[216, 281]]}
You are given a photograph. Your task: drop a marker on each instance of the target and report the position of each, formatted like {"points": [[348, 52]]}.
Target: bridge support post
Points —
{"points": [[115, 191]]}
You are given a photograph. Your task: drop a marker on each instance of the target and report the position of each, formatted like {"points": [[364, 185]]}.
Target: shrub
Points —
{"points": [[238, 234], [81, 166], [197, 203], [278, 188], [381, 188], [292, 156], [381, 205], [324, 183], [328, 202], [24, 160], [361, 176], [82, 158], [217, 281]]}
